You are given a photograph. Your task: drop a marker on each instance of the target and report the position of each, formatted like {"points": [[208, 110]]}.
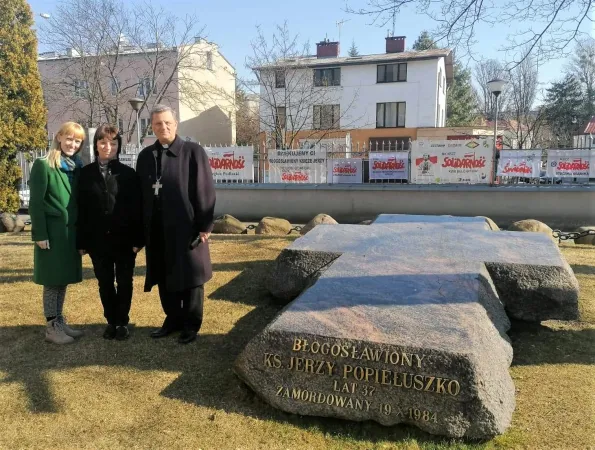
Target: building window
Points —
{"points": [[144, 87], [281, 118], [115, 86], [81, 88], [390, 115], [326, 117], [210, 60], [390, 73], [327, 77], [145, 127], [444, 84], [279, 78]]}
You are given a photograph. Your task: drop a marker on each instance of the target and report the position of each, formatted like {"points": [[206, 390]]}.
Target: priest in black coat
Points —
{"points": [[178, 206]]}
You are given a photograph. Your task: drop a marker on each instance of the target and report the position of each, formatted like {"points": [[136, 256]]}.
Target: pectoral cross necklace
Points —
{"points": [[157, 185]]}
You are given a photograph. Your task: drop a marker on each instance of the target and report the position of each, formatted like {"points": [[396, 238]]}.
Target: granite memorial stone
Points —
{"points": [[403, 321]]}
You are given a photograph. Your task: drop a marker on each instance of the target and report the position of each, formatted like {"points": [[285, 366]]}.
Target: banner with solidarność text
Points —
{"points": [[452, 161], [389, 166], [345, 170], [231, 163], [297, 165], [519, 163], [570, 163]]}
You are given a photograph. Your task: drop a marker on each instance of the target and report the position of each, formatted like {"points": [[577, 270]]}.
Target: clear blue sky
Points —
{"points": [[231, 24]]}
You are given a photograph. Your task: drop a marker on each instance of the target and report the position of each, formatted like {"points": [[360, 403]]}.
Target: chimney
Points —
{"points": [[327, 49], [395, 44]]}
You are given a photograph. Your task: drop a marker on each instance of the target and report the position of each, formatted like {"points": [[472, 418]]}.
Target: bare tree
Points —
{"points": [[582, 66], [294, 104], [547, 26], [117, 51], [485, 71], [247, 121], [519, 117]]}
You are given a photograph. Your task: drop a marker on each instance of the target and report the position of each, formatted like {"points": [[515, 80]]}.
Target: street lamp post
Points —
{"points": [[136, 104], [495, 86]]}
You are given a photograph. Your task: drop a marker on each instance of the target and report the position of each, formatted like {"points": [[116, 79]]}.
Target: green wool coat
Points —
{"points": [[52, 207]]}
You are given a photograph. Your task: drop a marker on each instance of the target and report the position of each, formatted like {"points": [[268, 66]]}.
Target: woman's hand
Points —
{"points": [[204, 237], [44, 245]]}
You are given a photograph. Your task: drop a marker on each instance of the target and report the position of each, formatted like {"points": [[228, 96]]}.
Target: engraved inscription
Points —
{"points": [[354, 385], [313, 366], [305, 395], [353, 373], [350, 351]]}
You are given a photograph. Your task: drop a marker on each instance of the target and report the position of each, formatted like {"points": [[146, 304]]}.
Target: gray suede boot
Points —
{"points": [[54, 333], [69, 331]]}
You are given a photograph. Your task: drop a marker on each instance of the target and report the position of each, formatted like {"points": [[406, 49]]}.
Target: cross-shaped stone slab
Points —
{"points": [[533, 279], [402, 321]]}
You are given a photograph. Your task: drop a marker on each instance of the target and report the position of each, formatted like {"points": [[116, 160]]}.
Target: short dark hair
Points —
{"points": [[107, 130]]}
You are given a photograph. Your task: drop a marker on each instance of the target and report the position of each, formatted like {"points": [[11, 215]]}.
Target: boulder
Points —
{"points": [[532, 225], [587, 240], [19, 225], [320, 219], [491, 223], [227, 224], [273, 226], [8, 221]]}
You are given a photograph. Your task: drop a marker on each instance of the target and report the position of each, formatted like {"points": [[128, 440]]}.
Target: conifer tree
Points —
{"points": [[22, 109]]}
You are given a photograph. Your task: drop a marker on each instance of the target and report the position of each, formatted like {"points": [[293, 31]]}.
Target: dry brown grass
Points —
{"points": [[146, 394]]}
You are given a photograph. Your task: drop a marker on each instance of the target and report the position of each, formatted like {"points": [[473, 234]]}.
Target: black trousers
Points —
{"points": [[183, 309], [118, 265]]}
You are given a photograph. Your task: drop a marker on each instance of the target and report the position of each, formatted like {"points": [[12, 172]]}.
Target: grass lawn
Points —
{"points": [[157, 394]]}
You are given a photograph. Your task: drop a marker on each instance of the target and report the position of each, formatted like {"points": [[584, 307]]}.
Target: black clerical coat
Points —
{"points": [[188, 204]]}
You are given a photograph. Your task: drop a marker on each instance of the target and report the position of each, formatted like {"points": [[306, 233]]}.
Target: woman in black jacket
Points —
{"points": [[109, 227]]}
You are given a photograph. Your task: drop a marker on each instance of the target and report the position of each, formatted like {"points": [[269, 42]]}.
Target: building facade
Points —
{"points": [[195, 80], [382, 97]]}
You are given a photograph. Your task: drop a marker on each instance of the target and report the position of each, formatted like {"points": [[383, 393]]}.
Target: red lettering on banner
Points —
{"points": [[345, 170], [521, 168], [227, 163], [574, 165], [464, 163], [296, 176], [389, 165]]}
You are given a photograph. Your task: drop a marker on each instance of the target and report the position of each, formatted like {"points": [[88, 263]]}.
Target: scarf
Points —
{"points": [[69, 164]]}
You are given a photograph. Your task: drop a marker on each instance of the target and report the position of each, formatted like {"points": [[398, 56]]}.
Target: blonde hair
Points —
{"points": [[53, 156]]}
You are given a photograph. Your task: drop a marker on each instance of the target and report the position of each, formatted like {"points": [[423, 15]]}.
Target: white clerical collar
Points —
{"points": [[166, 146]]}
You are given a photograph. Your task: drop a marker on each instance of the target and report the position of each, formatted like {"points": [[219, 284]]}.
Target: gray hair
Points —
{"points": [[157, 109]]}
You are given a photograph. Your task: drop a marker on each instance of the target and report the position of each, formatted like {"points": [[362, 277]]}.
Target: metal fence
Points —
{"points": [[25, 161], [262, 169]]}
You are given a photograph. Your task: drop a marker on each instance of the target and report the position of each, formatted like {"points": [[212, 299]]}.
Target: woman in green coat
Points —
{"points": [[52, 208]]}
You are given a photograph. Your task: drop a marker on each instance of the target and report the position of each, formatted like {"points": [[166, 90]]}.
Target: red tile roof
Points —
{"points": [[590, 128]]}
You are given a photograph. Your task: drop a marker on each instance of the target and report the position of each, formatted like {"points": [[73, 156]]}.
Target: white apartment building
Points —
{"points": [[380, 97]]}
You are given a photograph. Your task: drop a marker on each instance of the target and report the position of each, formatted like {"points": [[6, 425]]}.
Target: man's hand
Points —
{"points": [[44, 245], [82, 252], [204, 236], [135, 249]]}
